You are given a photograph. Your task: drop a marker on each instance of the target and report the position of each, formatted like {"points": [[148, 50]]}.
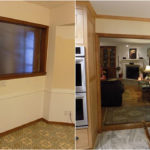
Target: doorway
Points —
{"points": [[107, 116]]}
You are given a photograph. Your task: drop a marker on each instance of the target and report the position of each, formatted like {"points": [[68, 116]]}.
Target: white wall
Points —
{"points": [[123, 51], [27, 99], [112, 26], [21, 100], [122, 27], [16, 110], [25, 11], [59, 96], [63, 92]]}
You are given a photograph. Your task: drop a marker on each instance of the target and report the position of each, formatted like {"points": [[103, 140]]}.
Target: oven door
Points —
{"points": [[80, 51], [81, 110], [80, 75]]}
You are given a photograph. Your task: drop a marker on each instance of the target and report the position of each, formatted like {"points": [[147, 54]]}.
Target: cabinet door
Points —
{"points": [[104, 57], [79, 26], [82, 138], [108, 60]]}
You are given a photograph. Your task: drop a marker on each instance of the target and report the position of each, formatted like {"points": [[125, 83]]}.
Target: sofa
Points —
{"points": [[111, 93]]}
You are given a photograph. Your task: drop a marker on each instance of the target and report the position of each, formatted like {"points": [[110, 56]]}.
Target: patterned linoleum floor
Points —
{"points": [[123, 139], [40, 135]]}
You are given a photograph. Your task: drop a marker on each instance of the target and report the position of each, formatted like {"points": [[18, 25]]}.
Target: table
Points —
{"points": [[145, 88]]}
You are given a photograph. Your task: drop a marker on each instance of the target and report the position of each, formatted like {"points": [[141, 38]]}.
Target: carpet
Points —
{"points": [[40, 135], [128, 114]]}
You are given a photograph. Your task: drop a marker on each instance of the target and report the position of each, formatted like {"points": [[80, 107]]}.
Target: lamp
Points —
{"points": [[147, 70]]}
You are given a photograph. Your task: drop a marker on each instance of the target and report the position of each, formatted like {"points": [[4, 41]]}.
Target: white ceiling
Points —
{"points": [[122, 8], [125, 41], [49, 4]]}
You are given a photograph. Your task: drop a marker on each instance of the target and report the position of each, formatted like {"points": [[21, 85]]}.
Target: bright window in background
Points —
{"points": [[29, 54], [22, 49]]}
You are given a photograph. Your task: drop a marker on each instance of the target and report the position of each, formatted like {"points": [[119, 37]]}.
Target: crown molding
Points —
{"points": [[112, 35], [123, 18]]}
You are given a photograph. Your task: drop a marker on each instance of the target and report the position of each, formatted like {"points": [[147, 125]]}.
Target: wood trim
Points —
{"points": [[60, 123], [22, 75], [99, 111], [92, 78], [89, 33], [42, 53], [123, 126], [123, 36], [122, 18], [20, 127], [88, 5], [43, 50], [21, 22], [32, 122], [146, 132]]}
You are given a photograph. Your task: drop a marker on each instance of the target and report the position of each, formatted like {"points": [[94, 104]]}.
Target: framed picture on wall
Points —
{"points": [[132, 53]]}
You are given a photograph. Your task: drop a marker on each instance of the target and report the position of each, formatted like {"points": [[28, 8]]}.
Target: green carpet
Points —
{"points": [[40, 135], [128, 114]]}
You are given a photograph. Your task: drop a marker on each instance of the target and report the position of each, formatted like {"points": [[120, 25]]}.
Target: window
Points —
{"points": [[23, 47]]}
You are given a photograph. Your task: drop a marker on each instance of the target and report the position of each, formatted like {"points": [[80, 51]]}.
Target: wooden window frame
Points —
{"points": [[43, 49]]}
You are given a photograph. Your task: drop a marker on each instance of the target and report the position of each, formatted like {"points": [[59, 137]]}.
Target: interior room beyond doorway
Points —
{"points": [[125, 81]]}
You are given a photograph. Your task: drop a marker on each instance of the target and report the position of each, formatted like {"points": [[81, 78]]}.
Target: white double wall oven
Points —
{"points": [[81, 101]]}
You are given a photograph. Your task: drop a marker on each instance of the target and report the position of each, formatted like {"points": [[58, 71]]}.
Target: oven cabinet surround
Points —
{"points": [[85, 36], [79, 28]]}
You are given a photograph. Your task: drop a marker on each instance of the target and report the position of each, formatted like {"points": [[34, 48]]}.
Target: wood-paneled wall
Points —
{"points": [[88, 26], [91, 80]]}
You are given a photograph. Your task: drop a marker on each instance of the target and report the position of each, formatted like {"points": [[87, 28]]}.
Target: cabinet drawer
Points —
{"points": [[82, 138]]}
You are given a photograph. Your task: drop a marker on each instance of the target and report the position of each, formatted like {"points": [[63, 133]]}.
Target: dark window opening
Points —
{"points": [[22, 49]]}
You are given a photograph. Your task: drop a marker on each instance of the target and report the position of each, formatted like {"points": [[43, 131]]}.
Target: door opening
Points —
{"points": [[123, 88]]}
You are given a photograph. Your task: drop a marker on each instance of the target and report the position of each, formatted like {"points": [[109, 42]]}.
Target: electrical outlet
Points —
{"points": [[68, 114]]}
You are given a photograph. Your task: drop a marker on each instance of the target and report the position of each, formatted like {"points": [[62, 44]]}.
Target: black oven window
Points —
{"points": [[77, 50], [79, 109], [78, 75]]}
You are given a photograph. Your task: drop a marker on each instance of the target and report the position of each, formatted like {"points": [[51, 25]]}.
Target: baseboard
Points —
{"points": [[124, 126], [32, 122], [61, 123], [19, 127]]}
